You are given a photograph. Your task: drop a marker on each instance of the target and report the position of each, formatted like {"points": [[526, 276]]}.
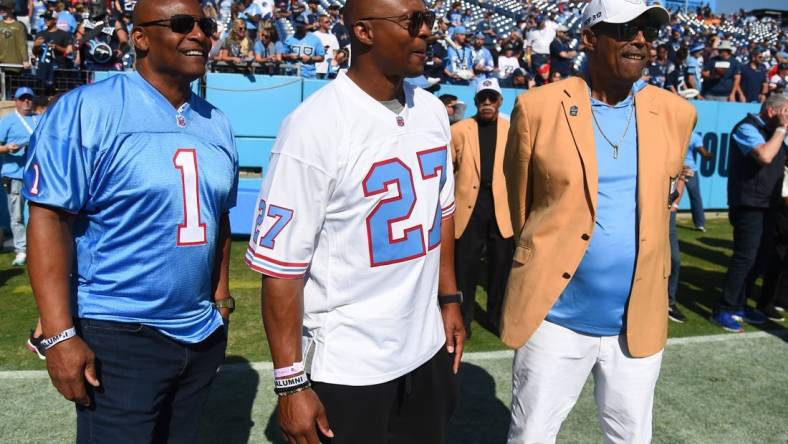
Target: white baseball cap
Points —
{"points": [[621, 11], [488, 84]]}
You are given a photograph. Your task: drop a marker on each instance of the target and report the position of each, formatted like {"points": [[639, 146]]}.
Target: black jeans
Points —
{"points": [[412, 409], [753, 232], [152, 388]]}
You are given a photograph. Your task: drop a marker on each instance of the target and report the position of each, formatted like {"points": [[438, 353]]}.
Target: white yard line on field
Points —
{"points": [[470, 357]]}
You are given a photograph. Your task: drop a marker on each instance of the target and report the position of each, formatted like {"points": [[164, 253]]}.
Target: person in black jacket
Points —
{"points": [[755, 176]]}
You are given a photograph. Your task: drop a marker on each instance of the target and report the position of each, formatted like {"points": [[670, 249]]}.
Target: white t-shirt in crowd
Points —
{"points": [[507, 65], [330, 44], [353, 203], [539, 39]]}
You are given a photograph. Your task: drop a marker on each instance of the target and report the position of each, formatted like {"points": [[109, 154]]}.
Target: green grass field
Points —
{"points": [[713, 389]]}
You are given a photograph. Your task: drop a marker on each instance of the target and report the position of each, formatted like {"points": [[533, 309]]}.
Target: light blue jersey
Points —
{"points": [[309, 45], [695, 141], [148, 185], [15, 128]]}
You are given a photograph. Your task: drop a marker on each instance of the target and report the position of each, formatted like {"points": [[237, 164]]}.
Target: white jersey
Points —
{"points": [[353, 203], [330, 45]]}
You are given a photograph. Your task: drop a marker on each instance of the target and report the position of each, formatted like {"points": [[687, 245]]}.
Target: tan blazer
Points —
{"points": [[467, 160], [551, 169]]}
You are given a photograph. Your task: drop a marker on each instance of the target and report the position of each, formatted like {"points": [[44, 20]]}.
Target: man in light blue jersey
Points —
{"points": [[15, 131], [304, 48], [133, 178]]}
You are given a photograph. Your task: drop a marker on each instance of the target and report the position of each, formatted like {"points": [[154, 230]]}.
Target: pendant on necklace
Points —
{"points": [[615, 151]]}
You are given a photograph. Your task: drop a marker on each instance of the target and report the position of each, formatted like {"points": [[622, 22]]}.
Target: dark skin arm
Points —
{"points": [[221, 269], [447, 284], [50, 247], [282, 303]]}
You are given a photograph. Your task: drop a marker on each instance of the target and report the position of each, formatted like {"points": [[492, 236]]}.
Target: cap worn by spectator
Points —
{"points": [[698, 47], [562, 28], [479, 35], [519, 73], [49, 15], [23, 91], [726, 45], [312, 1], [622, 11], [6, 5], [488, 85], [459, 30], [543, 69]]}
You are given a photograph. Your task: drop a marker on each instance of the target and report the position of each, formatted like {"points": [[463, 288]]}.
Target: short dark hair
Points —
{"points": [[447, 98]]}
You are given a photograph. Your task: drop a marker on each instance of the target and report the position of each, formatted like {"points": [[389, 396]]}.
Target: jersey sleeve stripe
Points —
{"points": [[256, 255], [273, 270], [448, 211]]}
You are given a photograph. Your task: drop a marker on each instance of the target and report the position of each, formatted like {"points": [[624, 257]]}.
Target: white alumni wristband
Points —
{"points": [[284, 384], [58, 338]]}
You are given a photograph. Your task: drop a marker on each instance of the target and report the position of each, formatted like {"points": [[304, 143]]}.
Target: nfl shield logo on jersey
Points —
{"points": [[180, 120], [400, 121]]}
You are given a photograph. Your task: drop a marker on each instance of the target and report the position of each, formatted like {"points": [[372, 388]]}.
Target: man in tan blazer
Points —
{"points": [[482, 221], [589, 166]]}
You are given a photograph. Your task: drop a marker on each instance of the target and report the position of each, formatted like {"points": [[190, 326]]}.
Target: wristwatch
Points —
{"points": [[228, 303], [444, 299]]}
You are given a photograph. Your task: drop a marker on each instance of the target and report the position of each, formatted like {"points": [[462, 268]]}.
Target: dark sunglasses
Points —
{"points": [[625, 32], [183, 24], [484, 96], [416, 20]]}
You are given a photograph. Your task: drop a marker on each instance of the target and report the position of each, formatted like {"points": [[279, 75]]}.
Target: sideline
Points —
{"points": [[469, 357]]}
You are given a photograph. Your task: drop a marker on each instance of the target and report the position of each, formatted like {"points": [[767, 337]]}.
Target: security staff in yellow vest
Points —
{"points": [[483, 227]]}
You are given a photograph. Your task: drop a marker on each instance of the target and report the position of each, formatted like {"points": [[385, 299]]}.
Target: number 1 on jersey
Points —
{"points": [[192, 231]]}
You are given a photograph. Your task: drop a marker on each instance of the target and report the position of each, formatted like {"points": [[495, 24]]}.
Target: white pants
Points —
{"points": [[551, 370]]}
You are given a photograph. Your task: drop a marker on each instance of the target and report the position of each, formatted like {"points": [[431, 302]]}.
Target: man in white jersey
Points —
{"points": [[354, 236]]}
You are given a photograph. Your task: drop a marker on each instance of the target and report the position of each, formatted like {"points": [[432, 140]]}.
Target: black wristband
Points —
{"points": [[444, 299]]}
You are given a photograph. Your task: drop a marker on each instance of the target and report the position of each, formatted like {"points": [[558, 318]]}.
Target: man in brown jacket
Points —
{"points": [[589, 166], [482, 222]]}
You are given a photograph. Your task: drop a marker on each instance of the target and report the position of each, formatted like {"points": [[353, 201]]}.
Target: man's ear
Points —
{"points": [[589, 39], [139, 40], [363, 32]]}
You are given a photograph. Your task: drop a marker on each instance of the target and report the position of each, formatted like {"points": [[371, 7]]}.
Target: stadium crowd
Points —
{"points": [[523, 44]]}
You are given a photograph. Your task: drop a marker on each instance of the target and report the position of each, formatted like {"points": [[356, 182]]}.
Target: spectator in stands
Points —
{"points": [[483, 63], [561, 55], [659, 66], [681, 80], [65, 20], [779, 81], [340, 62], [459, 61], [520, 79], [695, 64], [102, 42], [312, 14], [13, 37], [454, 107], [238, 49], [339, 29], [330, 45], [333, 14], [467, 19], [268, 49], [721, 75], [15, 131], [507, 62], [487, 29], [538, 44], [58, 41], [482, 225], [754, 84], [36, 8], [252, 14], [304, 48], [455, 15], [755, 172], [542, 75]]}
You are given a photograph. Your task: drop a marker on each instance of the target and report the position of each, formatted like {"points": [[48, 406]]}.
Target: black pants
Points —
{"points": [[152, 388], [753, 237], [482, 239], [412, 409], [775, 278]]}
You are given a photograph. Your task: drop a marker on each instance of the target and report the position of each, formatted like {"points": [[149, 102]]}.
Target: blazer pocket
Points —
{"points": [[522, 255]]}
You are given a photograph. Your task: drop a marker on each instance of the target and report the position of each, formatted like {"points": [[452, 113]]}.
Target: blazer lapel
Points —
{"points": [[473, 138], [576, 104], [651, 156]]}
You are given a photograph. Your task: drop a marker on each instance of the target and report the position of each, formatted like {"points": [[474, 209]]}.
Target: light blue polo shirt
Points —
{"points": [[12, 130], [595, 300], [748, 137]]}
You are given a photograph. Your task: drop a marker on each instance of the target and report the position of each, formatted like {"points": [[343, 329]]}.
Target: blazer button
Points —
{"points": [[585, 237], [567, 275]]}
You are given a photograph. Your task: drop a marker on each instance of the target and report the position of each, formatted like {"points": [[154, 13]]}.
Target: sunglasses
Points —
{"points": [[415, 19], [625, 32], [487, 96], [183, 24]]}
